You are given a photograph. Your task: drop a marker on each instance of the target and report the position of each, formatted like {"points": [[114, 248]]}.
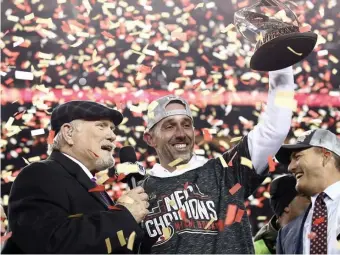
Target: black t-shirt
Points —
{"points": [[185, 204]]}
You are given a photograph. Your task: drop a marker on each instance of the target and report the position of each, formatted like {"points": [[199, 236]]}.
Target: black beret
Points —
{"points": [[86, 110], [282, 193]]}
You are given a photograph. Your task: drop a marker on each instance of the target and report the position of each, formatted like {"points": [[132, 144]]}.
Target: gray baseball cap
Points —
{"points": [[313, 138], [157, 111]]}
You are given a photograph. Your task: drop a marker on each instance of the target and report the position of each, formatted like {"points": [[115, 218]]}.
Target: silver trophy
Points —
{"points": [[277, 33]]}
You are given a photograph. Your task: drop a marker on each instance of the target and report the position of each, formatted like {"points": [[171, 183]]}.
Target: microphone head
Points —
{"points": [[127, 154]]}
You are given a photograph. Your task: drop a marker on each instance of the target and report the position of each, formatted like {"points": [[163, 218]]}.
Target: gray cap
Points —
{"points": [[157, 111], [313, 138]]}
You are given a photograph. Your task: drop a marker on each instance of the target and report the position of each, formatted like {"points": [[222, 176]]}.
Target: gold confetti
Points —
{"points": [[152, 106], [75, 215], [175, 162], [236, 139], [183, 166], [172, 203], [102, 179], [224, 164], [200, 5], [246, 162], [9, 123], [151, 115], [166, 233], [210, 222], [296, 53], [121, 238], [29, 16], [131, 240], [26, 161], [127, 169], [108, 245]]}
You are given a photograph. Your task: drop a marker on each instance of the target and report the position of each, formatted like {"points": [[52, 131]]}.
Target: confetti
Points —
{"points": [[230, 215], [121, 238], [78, 215], [224, 164], [29, 16], [5, 237], [175, 162], [9, 123], [108, 245], [50, 138], [318, 221], [296, 53], [166, 233], [209, 223], [121, 177], [36, 132], [236, 139], [311, 235], [206, 134], [235, 188], [231, 160], [131, 240], [271, 164], [21, 75], [239, 215], [99, 188], [102, 179], [246, 162], [127, 168]]}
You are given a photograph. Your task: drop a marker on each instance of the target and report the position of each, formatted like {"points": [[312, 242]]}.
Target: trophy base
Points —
{"points": [[283, 51]]}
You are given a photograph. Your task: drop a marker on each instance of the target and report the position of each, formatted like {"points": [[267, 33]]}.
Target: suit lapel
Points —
{"points": [[77, 172]]}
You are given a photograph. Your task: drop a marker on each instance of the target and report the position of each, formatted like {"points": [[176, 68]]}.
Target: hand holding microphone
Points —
{"points": [[135, 200]]}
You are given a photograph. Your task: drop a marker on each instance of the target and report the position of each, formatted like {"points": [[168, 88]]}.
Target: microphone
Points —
{"points": [[129, 165]]}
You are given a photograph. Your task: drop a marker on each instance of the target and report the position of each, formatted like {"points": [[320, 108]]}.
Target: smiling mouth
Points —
{"points": [[180, 146], [298, 176]]}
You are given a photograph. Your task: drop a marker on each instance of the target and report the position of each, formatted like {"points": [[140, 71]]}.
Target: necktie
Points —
{"points": [[318, 244], [102, 193]]}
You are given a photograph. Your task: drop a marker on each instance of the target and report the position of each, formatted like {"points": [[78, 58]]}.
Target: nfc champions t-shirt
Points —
{"points": [[199, 211]]}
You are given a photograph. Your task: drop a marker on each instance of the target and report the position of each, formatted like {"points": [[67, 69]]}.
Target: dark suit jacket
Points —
{"points": [[42, 198], [290, 237]]}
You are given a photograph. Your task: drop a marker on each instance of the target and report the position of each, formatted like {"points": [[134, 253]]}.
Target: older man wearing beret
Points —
{"points": [[50, 207]]}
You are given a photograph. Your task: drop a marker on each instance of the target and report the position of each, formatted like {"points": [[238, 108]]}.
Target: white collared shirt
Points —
{"points": [[87, 171], [333, 214], [195, 162]]}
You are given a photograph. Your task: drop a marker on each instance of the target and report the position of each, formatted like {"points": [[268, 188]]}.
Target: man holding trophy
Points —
{"points": [[197, 206]]}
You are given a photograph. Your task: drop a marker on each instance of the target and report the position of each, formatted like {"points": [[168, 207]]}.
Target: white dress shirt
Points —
{"points": [[267, 136], [333, 214], [87, 171]]}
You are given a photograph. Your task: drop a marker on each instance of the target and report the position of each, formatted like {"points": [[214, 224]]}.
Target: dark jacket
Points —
{"points": [[51, 211], [289, 240], [265, 239]]}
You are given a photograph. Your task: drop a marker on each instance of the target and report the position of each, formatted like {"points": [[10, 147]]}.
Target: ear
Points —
{"points": [[147, 137], [66, 131], [286, 210], [326, 156]]}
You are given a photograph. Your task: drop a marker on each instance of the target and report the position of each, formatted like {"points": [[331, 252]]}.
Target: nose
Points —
{"points": [[111, 136], [292, 166], [180, 133]]}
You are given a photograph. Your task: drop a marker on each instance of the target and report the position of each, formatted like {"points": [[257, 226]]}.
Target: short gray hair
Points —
{"points": [[59, 141]]}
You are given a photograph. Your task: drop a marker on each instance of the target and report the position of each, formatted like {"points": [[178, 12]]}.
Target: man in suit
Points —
{"points": [[315, 162], [51, 206], [287, 204]]}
